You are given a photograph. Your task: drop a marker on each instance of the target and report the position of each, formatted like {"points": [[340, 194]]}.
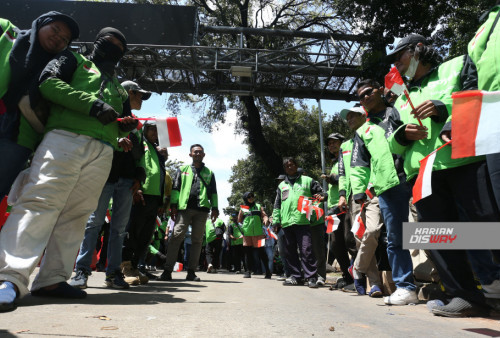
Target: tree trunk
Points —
{"points": [[257, 140]]}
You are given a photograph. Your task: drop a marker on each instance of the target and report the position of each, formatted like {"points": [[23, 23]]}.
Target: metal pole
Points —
{"points": [[322, 145]]}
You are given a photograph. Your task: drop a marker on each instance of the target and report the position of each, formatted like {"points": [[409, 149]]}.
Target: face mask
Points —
{"points": [[412, 68], [107, 51]]}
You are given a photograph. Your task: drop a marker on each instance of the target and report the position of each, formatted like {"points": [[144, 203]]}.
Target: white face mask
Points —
{"points": [[412, 68]]}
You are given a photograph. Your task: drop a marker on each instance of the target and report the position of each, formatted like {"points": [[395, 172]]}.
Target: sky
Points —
{"points": [[222, 147]]}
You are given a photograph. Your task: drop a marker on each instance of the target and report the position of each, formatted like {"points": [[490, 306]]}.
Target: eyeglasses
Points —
{"points": [[366, 93]]}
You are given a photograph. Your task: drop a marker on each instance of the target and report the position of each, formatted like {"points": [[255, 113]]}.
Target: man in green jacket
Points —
{"points": [[214, 232], [295, 224], [68, 170], [430, 89], [194, 195]]}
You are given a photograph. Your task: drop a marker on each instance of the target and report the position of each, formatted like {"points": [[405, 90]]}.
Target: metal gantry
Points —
{"points": [[315, 66]]}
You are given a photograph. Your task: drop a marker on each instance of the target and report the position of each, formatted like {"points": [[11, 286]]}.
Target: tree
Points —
{"points": [[293, 131]]}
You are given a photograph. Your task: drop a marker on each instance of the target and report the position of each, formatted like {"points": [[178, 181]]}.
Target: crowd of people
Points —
{"points": [[69, 117]]}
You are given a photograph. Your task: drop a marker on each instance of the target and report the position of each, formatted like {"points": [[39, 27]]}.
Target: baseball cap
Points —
{"points": [[356, 109], [131, 85], [335, 136], [409, 40]]}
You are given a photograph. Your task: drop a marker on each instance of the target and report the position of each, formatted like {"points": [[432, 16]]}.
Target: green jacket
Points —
{"points": [[210, 229], [183, 181], [437, 85], [345, 169], [333, 189], [27, 136], [287, 197], [155, 172], [234, 229], [7, 37], [371, 161], [487, 60], [73, 83], [252, 222]]}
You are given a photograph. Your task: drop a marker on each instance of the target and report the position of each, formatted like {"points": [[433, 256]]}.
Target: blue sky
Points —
{"points": [[222, 147]]}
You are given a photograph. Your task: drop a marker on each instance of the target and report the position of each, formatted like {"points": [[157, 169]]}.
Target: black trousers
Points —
{"points": [[462, 194], [344, 243], [140, 229], [236, 256], [212, 251]]}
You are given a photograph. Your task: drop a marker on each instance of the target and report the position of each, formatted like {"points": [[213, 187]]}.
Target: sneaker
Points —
{"points": [[128, 273], [401, 297], [281, 278], [360, 285], [143, 270], [375, 292], [191, 276], [312, 283], [115, 280], [166, 276], [80, 279], [350, 288], [459, 307], [432, 304], [293, 281], [492, 290], [247, 275], [210, 268], [8, 296], [268, 276], [339, 284], [320, 281], [237, 272]]}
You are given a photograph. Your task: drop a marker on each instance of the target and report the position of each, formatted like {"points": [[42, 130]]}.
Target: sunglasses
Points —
{"points": [[366, 93]]}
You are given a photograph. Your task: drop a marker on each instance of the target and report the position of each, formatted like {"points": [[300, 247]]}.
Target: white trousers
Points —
{"points": [[67, 175]]}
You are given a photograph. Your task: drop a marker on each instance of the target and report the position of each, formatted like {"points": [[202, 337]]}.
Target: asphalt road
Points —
{"points": [[227, 305]]}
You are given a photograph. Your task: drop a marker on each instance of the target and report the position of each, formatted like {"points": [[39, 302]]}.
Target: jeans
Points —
{"points": [[394, 205], [270, 258], [483, 266], [122, 204], [14, 158]]}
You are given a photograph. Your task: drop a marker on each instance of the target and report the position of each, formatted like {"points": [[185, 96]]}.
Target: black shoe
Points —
{"points": [[191, 276], [459, 307], [268, 276], [293, 281], [99, 267], [312, 283], [166, 276], [63, 290], [142, 269], [351, 288], [247, 275], [339, 284]]}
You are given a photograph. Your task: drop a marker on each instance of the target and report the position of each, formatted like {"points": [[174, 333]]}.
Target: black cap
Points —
{"points": [[409, 40], [131, 85], [335, 136]]}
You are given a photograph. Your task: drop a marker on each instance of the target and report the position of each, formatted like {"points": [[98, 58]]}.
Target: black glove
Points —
{"points": [[103, 112], [128, 127]]}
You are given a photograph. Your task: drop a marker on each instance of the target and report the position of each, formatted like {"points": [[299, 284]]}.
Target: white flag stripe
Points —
{"points": [[397, 88], [426, 180], [488, 130], [162, 128]]}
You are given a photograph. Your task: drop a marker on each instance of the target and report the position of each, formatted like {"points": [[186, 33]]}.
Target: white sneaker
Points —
{"points": [[320, 281], [210, 268], [401, 297], [492, 290]]}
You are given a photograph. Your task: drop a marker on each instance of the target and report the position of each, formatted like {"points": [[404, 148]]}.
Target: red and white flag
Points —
{"points": [[169, 134], [304, 206], [332, 223], [475, 123], [245, 208], [261, 242], [358, 227], [107, 218], [158, 221], [394, 82], [271, 233], [423, 184]]}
